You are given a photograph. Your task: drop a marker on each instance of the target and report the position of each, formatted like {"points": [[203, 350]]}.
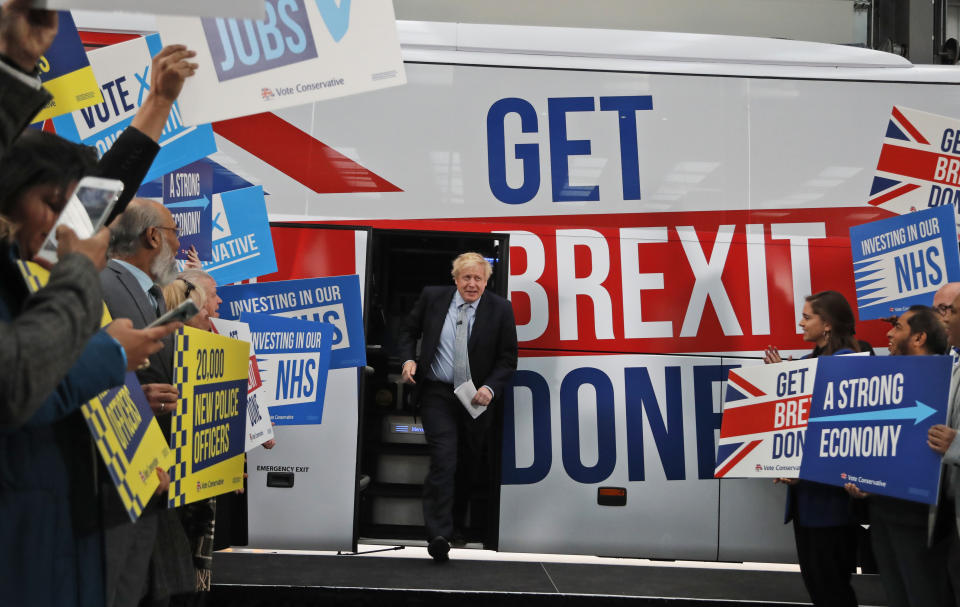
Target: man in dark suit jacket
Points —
{"points": [[143, 247], [445, 317]]}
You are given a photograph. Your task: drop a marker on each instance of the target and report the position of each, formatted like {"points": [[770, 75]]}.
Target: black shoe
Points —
{"points": [[439, 548], [458, 540]]}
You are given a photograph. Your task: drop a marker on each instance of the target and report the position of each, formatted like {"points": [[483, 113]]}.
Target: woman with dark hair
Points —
{"points": [[50, 516], [824, 524], [36, 180]]}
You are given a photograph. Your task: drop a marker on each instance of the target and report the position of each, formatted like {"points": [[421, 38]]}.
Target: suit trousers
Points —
{"points": [[456, 444], [946, 540], [828, 557], [912, 574], [129, 547], [953, 566]]}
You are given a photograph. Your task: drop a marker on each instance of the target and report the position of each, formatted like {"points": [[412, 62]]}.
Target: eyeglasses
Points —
{"points": [[160, 228], [944, 308], [190, 287]]}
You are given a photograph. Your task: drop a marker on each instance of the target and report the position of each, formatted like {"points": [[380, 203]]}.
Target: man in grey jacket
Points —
{"points": [[151, 555], [945, 518]]}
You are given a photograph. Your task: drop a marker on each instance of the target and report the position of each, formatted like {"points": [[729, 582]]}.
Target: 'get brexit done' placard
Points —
{"points": [[869, 420], [302, 51], [919, 164], [902, 261], [259, 430], [764, 420]]}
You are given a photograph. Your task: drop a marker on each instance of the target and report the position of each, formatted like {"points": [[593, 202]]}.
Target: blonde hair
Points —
{"points": [[175, 292], [7, 229], [471, 259]]}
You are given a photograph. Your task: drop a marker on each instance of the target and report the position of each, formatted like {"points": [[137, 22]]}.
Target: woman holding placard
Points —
{"points": [[824, 525]]}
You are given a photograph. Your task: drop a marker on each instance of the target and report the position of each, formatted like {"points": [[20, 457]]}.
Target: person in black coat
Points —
{"points": [[484, 321]]}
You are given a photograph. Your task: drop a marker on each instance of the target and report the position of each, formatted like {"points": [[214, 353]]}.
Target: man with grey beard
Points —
{"points": [[150, 557], [143, 248]]}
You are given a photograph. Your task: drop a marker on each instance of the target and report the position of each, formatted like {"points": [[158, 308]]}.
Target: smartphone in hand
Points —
{"points": [[85, 212], [181, 313]]}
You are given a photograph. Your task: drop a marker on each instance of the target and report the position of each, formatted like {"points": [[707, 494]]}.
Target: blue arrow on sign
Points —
{"points": [[919, 413]]}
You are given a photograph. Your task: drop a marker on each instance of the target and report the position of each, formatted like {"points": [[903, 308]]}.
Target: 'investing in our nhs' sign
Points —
{"points": [[334, 300], [903, 260]]}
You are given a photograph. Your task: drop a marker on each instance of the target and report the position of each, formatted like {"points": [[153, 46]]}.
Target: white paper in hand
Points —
{"points": [[465, 392]]}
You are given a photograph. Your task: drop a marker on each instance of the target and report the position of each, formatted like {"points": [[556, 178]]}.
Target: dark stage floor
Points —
{"points": [[255, 579]]}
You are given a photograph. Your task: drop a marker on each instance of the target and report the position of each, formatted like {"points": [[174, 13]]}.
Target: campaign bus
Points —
{"points": [[656, 206]]}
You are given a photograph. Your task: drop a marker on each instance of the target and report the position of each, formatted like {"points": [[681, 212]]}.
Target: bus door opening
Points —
{"points": [[394, 453]]}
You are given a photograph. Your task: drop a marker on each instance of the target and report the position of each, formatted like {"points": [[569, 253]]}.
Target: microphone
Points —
{"points": [[459, 322]]}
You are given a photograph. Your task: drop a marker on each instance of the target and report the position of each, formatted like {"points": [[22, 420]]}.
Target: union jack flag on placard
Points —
{"points": [[765, 411], [919, 165]]}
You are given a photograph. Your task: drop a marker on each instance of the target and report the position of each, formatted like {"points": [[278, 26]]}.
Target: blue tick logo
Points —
{"points": [[337, 18], [243, 47]]}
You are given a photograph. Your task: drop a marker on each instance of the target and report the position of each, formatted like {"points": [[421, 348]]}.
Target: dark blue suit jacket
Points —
{"points": [[493, 340], [818, 505]]}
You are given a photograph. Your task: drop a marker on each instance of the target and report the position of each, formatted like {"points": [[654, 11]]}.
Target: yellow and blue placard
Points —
{"points": [[130, 442], [207, 429], [869, 420], [66, 73], [123, 427]]}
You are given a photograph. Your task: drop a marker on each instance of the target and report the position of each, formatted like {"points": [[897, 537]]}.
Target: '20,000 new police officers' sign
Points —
{"points": [[208, 426], [66, 73], [902, 261]]}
